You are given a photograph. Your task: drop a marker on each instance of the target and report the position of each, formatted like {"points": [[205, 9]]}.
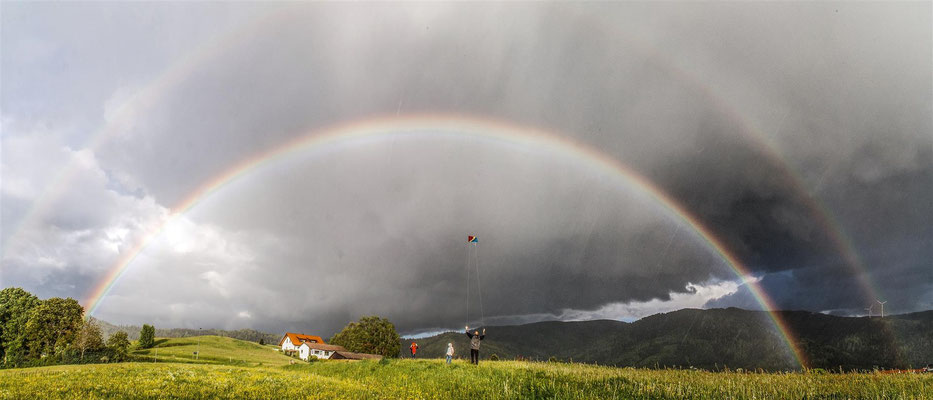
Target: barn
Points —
{"points": [[347, 355], [319, 350]]}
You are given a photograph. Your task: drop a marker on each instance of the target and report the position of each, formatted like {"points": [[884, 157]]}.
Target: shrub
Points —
{"points": [[119, 344], [552, 359], [493, 358]]}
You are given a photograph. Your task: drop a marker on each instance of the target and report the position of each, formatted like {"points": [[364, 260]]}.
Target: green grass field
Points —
{"points": [[218, 377], [213, 350]]}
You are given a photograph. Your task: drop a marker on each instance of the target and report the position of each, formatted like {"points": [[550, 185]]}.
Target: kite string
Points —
{"points": [[468, 285], [479, 288]]}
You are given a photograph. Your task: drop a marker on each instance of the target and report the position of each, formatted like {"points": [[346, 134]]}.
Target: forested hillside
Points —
{"points": [[711, 339]]}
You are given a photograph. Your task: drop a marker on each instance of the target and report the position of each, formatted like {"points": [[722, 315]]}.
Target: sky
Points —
{"points": [[800, 135]]}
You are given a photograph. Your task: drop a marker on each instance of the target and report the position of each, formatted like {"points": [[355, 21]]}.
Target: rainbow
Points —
{"points": [[174, 75], [448, 126], [768, 148], [756, 136]]}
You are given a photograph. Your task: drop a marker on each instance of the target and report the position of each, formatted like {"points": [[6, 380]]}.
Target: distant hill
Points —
{"points": [[710, 339], [132, 332]]}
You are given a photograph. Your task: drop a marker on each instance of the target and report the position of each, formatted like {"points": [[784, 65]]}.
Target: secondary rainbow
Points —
{"points": [[760, 140], [453, 126]]}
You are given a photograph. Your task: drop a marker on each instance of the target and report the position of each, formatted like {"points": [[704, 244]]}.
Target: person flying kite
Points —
{"points": [[475, 339]]}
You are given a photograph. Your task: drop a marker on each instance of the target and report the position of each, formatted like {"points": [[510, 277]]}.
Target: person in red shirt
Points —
{"points": [[414, 349]]}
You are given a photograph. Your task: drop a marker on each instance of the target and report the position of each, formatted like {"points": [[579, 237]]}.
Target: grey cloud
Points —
{"points": [[684, 93]]}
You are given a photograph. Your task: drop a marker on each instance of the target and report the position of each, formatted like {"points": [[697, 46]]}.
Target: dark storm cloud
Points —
{"points": [[400, 251], [69, 282], [755, 117]]}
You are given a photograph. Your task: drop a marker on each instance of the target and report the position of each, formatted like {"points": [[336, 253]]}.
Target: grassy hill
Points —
{"points": [[710, 339], [213, 350], [234, 369]]}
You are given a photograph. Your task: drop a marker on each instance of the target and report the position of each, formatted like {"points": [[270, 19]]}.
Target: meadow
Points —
{"points": [[262, 373], [213, 350]]}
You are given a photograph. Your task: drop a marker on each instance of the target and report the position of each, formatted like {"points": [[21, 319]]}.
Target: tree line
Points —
{"points": [[249, 335], [54, 331]]}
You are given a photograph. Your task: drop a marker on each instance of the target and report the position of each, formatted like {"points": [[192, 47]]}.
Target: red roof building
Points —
{"points": [[291, 341]]}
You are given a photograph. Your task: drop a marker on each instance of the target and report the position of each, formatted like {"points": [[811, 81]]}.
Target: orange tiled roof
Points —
{"points": [[297, 338]]}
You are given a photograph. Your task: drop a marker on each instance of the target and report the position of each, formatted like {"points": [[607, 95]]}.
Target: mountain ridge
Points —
{"points": [[711, 339]]}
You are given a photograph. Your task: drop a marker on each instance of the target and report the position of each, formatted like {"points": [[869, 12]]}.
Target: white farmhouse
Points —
{"points": [[319, 350], [292, 341], [307, 346]]}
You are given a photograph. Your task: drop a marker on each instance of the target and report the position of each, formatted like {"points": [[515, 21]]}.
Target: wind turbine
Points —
{"points": [[869, 309], [882, 307]]}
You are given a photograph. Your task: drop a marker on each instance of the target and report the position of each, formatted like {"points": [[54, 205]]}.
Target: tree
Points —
{"points": [[262, 341], [371, 334], [89, 338], [15, 305], [119, 343], [147, 337], [52, 326]]}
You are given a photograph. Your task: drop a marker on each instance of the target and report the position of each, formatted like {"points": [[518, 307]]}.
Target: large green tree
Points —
{"points": [[15, 305], [147, 337], [370, 334], [52, 326]]}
